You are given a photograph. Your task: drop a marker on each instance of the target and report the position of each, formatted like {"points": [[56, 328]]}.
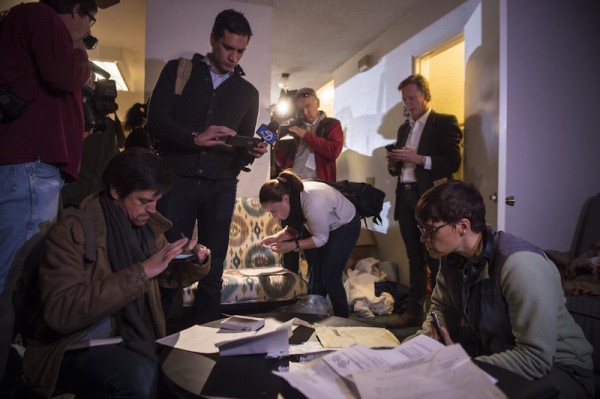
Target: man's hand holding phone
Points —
{"points": [[214, 135]]}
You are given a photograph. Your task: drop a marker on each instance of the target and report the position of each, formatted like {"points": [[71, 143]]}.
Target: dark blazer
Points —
{"points": [[440, 140]]}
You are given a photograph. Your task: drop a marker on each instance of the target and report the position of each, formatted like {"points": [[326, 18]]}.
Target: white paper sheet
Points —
{"points": [[447, 373], [201, 339], [274, 344], [418, 368], [342, 337]]}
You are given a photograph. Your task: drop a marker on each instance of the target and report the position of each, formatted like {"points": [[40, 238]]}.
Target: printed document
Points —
{"points": [[420, 367]]}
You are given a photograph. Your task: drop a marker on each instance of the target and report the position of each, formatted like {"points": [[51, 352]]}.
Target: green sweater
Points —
{"points": [[544, 331]]}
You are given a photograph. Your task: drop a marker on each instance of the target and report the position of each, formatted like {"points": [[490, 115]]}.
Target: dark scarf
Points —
{"points": [[128, 244]]}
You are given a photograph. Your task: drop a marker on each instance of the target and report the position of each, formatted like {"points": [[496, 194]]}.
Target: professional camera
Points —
{"points": [[98, 103], [11, 105], [294, 120]]}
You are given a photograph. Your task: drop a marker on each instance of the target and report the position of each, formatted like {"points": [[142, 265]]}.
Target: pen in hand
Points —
{"points": [[438, 327]]}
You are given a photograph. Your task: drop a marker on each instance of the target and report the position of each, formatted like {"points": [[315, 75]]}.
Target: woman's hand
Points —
{"points": [[269, 240], [283, 247]]}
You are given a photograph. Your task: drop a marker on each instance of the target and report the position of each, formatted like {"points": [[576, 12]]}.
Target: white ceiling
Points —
{"points": [[311, 38]]}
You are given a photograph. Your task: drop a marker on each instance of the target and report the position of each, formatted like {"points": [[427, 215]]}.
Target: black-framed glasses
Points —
{"points": [[429, 232], [90, 16]]}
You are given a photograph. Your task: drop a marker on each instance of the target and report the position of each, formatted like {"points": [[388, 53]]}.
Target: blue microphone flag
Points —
{"points": [[266, 134]]}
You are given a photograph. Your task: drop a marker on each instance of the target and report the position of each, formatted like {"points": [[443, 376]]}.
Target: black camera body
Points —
{"points": [[11, 105], [284, 130], [98, 103]]}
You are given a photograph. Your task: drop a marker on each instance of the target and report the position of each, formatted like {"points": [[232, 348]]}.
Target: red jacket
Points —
{"points": [[38, 61], [327, 142]]}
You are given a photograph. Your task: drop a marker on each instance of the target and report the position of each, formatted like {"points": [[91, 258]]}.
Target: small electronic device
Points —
{"points": [[186, 257], [437, 325], [390, 147], [243, 141]]}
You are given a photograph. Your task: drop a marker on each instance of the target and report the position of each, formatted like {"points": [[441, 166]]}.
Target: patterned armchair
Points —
{"points": [[253, 273]]}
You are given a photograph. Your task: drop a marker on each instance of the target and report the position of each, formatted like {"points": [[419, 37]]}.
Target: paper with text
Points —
{"points": [[342, 337], [420, 367]]}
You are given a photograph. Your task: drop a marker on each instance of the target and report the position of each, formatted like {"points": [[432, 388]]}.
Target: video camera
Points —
{"points": [[294, 120], [99, 102]]}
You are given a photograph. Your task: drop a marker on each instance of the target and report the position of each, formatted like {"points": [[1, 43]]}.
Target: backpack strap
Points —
{"points": [[184, 70], [323, 128]]}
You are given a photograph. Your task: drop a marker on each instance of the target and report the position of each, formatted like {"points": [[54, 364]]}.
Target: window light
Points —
{"points": [[115, 73]]}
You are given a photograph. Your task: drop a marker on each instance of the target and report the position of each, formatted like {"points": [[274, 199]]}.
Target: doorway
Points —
{"points": [[444, 68]]}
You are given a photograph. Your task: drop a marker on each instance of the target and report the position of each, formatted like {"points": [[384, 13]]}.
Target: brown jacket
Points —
{"points": [[77, 293]]}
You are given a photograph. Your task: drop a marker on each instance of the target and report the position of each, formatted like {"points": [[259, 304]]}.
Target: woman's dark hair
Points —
{"points": [[420, 81], [135, 116], [66, 6], [450, 202], [232, 21], [137, 169], [286, 183]]}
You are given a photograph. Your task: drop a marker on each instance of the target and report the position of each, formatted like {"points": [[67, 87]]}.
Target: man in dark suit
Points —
{"points": [[427, 151]]}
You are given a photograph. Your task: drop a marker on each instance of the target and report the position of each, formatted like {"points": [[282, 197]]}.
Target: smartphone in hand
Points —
{"points": [[437, 326], [186, 257], [243, 141], [390, 147]]}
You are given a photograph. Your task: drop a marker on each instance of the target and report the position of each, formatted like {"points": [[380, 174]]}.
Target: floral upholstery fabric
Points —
{"points": [[249, 225]]}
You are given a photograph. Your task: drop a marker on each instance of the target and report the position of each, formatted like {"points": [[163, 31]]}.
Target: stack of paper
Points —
{"points": [[418, 368], [243, 323]]}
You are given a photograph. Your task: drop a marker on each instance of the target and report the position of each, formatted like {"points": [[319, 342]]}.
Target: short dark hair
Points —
{"points": [[135, 116], [232, 21], [450, 202], [66, 6], [286, 183], [137, 169], [420, 81]]}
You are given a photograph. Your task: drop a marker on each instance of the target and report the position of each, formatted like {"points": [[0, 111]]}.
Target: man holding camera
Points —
{"points": [[44, 61], [427, 151], [311, 153], [317, 143], [191, 127]]}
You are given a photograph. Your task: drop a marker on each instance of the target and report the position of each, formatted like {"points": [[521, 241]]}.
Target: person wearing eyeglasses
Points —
{"points": [[317, 141], [499, 296], [44, 64], [427, 150]]}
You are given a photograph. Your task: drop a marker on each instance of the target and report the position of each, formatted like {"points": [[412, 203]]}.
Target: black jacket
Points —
{"points": [[440, 140], [172, 119]]}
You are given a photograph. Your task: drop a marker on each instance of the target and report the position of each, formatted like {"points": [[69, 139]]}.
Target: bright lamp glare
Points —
{"points": [[115, 74], [284, 106]]}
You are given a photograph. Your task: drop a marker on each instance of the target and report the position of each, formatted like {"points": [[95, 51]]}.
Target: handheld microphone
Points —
{"points": [[268, 133]]}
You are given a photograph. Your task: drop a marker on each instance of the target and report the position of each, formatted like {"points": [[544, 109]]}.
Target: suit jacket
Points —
{"points": [[440, 140]]}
